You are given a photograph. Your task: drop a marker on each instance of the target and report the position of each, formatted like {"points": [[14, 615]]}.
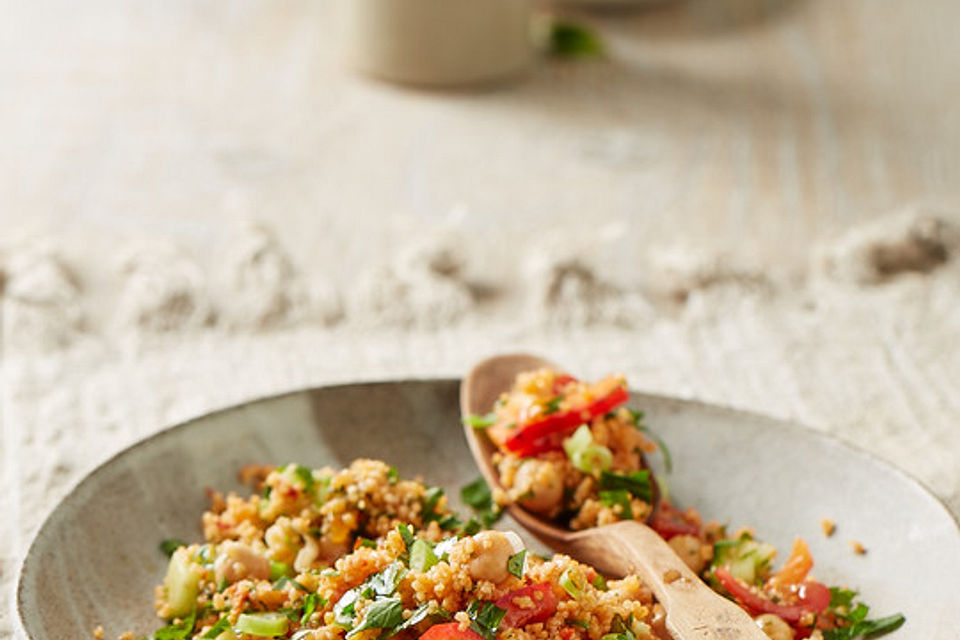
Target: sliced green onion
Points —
{"points": [[600, 583], [267, 625], [573, 583], [422, 556], [585, 454]]}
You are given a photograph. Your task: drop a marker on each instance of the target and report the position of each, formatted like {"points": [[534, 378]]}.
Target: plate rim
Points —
{"points": [[24, 565]]}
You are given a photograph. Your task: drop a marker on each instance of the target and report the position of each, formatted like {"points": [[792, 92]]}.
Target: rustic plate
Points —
{"points": [[95, 560]]}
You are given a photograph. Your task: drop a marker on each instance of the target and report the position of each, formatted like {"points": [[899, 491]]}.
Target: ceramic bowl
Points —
{"points": [[95, 560], [436, 42]]}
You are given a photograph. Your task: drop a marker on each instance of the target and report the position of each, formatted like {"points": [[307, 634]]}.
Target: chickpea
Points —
{"points": [[774, 627], [493, 550], [688, 548], [236, 561], [538, 486]]}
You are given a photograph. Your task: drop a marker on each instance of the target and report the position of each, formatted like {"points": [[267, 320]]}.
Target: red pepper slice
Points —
{"points": [[546, 433], [813, 597], [544, 605], [669, 522], [450, 631]]}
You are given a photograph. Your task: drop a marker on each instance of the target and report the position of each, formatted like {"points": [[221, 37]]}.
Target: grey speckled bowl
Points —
{"points": [[95, 560]]}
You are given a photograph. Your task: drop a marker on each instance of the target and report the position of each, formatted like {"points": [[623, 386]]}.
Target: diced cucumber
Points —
{"points": [[746, 558], [181, 584], [267, 625], [422, 556]]}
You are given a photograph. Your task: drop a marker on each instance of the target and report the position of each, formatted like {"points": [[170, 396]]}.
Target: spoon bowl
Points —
{"points": [[694, 610]]}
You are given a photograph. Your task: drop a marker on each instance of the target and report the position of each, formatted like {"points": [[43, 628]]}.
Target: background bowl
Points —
{"points": [[95, 560]]}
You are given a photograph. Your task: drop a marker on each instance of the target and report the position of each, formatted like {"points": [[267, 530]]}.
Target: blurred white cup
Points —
{"points": [[437, 42]]}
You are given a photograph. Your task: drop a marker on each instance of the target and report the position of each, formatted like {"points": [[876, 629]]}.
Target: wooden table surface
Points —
{"points": [[752, 125]]}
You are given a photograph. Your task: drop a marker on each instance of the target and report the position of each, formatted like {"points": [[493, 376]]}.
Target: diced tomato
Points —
{"points": [[669, 522], [561, 380], [544, 604], [450, 631], [546, 432], [812, 597]]}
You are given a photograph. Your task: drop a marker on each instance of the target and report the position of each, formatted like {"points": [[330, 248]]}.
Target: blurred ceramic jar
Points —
{"points": [[437, 42]]}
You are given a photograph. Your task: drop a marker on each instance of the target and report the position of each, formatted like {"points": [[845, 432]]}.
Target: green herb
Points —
{"points": [[385, 582], [840, 597], [386, 614], [267, 490], [422, 556], [344, 611], [516, 563], [472, 527], [570, 40], [553, 405], [636, 482], [310, 604], [179, 631], [367, 542], [269, 624], [278, 570], [478, 421], [407, 534], [485, 618], [573, 583], [420, 614], [600, 583], [393, 475], [477, 495], [430, 501], [583, 624], [170, 545], [450, 522], [866, 628], [222, 625], [619, 497]]}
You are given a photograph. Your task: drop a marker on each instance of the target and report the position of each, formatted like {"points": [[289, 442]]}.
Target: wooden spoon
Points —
{"points": [[694, 610]]}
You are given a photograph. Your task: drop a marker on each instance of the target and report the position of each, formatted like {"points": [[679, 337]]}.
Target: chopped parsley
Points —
{"points": [[516, 563], [385, 614], [180, 631], [170, 545], [485, 618], [478, 497], [393, 475], [843, 604], [865, 628], [600, 583], [310, 604], [636, 482], [431, 499], [615, 497], [553, 405], [478, 421]]}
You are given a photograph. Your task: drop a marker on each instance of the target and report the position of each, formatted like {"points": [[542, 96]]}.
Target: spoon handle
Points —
{"points": [[694, 610]]}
